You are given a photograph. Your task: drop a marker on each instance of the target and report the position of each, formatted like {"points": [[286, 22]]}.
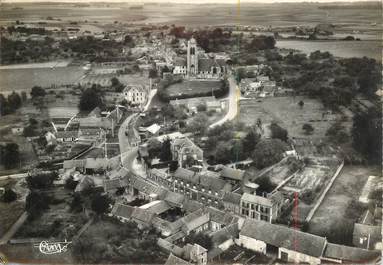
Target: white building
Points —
{"points": [[136, 94], [287, 244]]}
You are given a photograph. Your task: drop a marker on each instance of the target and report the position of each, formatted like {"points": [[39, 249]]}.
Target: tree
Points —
{"points": [[268, 152], [153, 73], [35, 203], [70, 184], [116, 84], [90, 99], [41, 180], [154, 147], [11, 155], [166, 153], [308, 128], [250, 141], [9, 195], [201, 107], [277, 132], [4, 106], [198, 124], [173, 166], [262, 43], [367, 134], [265, 185], [301, 104], [201, 239], [37, 92], [14, 100], [100, 203], [77, 202]]}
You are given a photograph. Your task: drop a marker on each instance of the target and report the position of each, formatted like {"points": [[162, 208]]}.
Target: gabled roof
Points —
{"points": [[195, 220], [281, 236], [174, 198], [184, 142], [186, 175], [220, 216], [191, 205], [225, 233], [113, 184], [142, 215], [121, 210], [215, 184], [232, 197], [156, 207], [85, 182], [154, 128], [174, 260], [353, 254], [179, 61], [132, 87], [146, 187], [256, 199], [231, 173], [205, 64]]}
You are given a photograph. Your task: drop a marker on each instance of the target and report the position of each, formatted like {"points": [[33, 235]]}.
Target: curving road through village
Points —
{"points": [[233, 100]]}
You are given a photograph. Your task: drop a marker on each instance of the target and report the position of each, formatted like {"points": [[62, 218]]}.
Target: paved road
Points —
{"points": [[122, 138], [233, 98], [14, 176], [128, 152], [152, 93]]}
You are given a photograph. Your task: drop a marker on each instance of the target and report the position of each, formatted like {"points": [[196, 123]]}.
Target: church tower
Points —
{"points": [[192, 58]]}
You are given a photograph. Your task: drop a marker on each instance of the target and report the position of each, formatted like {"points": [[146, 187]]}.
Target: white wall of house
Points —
{"points": [[215, 226], [225, 245], [298, 257], [252, 244]]}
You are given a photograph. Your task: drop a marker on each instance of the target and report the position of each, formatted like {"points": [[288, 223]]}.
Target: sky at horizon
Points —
{"points": [[186, 1]]}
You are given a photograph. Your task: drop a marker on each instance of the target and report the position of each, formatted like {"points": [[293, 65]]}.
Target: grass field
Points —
{"points": [[286, 112], [280, 14], [193, 87]]}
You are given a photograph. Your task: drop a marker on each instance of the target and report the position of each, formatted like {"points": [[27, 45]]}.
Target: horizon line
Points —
{"points": [[187, 2]]}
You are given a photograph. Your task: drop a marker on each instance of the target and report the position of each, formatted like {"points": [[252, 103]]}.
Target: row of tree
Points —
{"points": [[11, 103]]}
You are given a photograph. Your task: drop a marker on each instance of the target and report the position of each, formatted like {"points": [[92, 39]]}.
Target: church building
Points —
{"points": [[199, 64]]}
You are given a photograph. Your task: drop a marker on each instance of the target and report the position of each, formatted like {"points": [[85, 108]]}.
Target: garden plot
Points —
{"points": [[314, 176]]}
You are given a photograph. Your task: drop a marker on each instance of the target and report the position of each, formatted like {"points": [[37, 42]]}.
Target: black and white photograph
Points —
{"points": [[191, 132]]}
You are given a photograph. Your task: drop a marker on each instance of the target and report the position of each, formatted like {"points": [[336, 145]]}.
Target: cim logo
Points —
{"points": [[50, 248]]}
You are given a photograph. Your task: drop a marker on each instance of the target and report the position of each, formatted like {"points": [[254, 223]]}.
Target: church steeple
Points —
{"points": [[192, 58]]}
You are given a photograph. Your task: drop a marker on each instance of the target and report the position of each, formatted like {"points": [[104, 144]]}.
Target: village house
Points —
{"points": [[205, 187], [287, 244], [367, 231], [231, 202], [180, 66], [261, 208], [259, 86], [136, 95], [234, 176], [185, 152]]}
